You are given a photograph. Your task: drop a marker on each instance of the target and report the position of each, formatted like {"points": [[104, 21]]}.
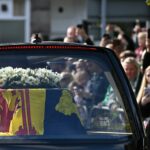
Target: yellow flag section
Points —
{"points": [[24, 111]]}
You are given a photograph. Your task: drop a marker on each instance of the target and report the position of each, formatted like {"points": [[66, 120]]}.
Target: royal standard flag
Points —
{"points": [[23, 110], [38, 112]]}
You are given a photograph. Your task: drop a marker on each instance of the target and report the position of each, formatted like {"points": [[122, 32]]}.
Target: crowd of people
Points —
{"points": [[84, 79], [132, 50], [78, 34]]}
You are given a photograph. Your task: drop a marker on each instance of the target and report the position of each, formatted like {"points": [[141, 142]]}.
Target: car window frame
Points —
{"points": [[128, 103]]}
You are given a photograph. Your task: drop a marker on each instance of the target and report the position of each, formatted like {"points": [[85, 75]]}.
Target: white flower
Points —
{"points": [[19, 77]]}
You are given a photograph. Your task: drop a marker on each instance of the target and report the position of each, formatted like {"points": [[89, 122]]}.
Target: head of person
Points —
{"points": [[106, 39], [127, 53], [66, 79], [127, 41], [92, 67], [81, 78], [116, 45], [71, 32], [79, 29], [141, 38], [80, 65], [110, 28], [81, 33], [36, 38], [131, 68], [137, 28]]}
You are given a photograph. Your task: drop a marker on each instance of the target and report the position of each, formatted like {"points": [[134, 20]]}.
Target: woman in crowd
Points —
{"points": [[143, 97], [146, 52], [145, 57], [141, 45]]}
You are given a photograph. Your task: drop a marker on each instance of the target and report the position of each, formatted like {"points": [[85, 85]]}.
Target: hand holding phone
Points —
{"points": [[147, 91], [146, 97]]}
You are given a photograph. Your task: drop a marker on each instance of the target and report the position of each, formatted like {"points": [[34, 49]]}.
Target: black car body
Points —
{"points": [[40, 109]]}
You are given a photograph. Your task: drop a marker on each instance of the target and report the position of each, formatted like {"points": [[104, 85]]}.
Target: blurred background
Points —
{"points": [[20, 18]]}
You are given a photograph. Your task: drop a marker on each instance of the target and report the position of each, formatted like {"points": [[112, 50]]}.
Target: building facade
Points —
{"points": [[14, 21], [57, 15], [20, 18]]}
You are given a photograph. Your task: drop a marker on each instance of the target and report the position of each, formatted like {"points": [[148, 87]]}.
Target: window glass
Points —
{"points": [[65, 96]]}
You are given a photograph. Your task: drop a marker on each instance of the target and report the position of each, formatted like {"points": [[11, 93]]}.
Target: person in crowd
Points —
{"points": [[106, 39], [141, 45], [58, 67], [36, 38], [127, 53], [117, 46], [93, 81], [81, 78], [110, 30], [81, 96], [111, 99], [78, 34], [80, 65], [98, 83], [70, 66], [136, 29], [113, 30], [127, 41], [143, 97], [82, 35], [131, 68], [71, 34], [66, 79], [145, 58], [79, 84], [146, 52]]}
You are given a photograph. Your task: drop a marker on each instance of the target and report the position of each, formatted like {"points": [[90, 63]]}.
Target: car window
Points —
{"points": [[59, 95]]}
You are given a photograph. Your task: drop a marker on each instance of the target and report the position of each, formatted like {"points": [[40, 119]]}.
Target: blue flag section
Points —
{"points": [[61, 116]]}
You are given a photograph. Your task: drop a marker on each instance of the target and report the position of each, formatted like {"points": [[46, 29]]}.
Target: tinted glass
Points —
{"points": [[64, 96]]}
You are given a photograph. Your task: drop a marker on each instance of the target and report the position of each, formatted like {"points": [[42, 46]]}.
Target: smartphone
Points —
{"points": [[147, 90]]}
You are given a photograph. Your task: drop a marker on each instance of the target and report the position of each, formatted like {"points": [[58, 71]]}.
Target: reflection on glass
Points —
{"points": [[70, 95]]}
